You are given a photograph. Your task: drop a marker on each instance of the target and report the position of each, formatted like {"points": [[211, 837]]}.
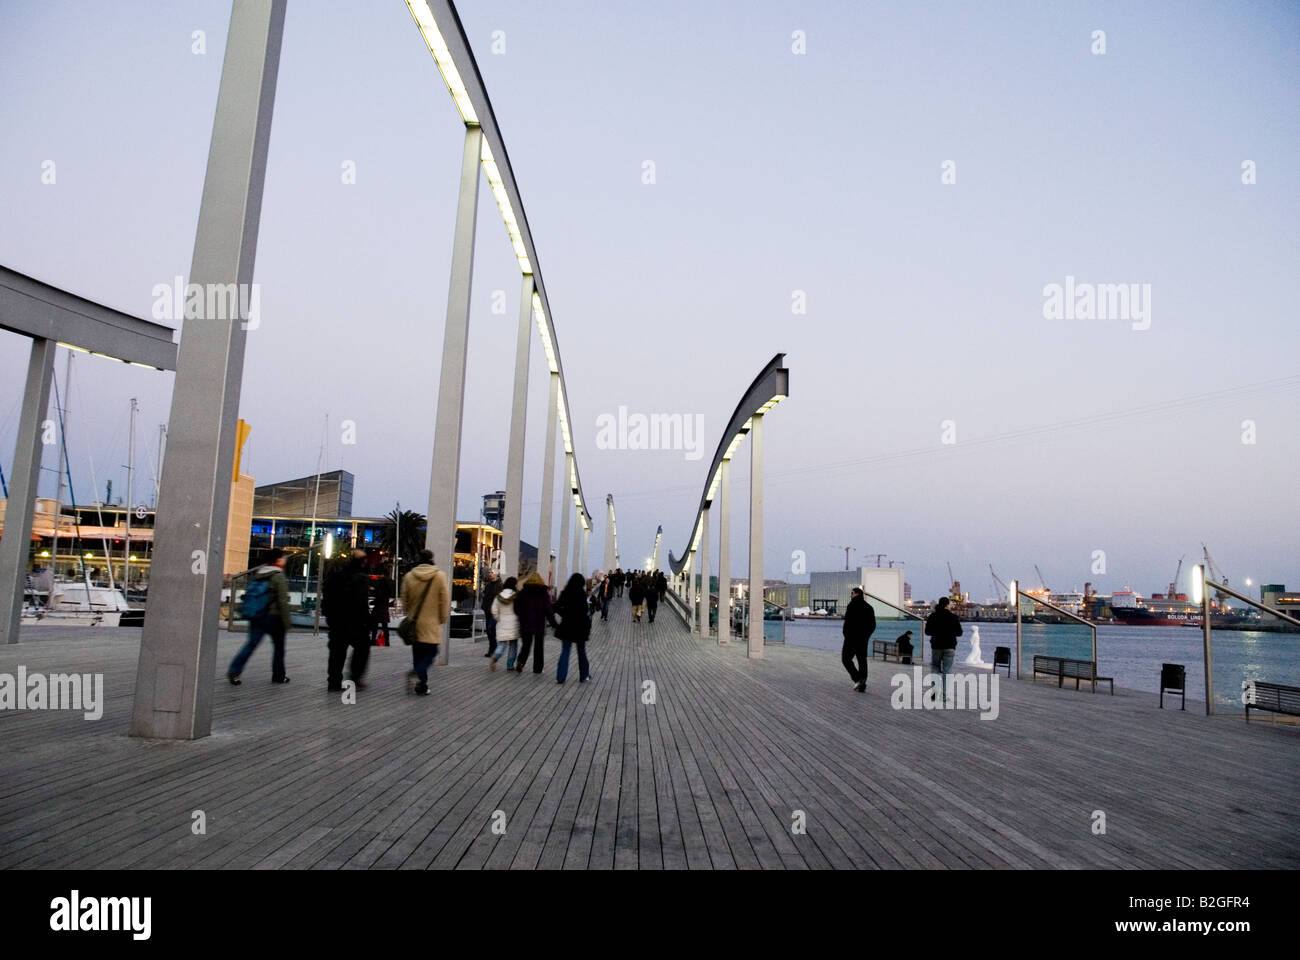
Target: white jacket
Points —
{"points": [[503, 611]]}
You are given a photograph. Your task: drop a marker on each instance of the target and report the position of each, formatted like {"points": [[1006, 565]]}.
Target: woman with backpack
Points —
{"points": [[575, 627], [503, 611]]}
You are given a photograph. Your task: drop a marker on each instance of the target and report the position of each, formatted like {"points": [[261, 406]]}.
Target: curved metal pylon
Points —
{"points": [[769, 388]]}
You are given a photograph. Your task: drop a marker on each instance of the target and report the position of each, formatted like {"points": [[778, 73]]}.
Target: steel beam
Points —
{"points": [[16, 544], [178, 648], [444, 474], [724, 553], [512, 527], [548, 483], [756, 603], [704, 574], [566, 508]]}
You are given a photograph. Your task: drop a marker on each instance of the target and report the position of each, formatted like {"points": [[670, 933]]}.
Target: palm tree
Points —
{"points": [[412, 526]]}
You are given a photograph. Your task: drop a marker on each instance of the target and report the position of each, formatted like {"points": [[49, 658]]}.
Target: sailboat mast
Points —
{"points": [[157, 476], [130, 502], [311, 543], [63, 452]]}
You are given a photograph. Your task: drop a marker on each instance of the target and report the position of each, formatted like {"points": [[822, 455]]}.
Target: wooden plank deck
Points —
{"points": [[709, 775]]}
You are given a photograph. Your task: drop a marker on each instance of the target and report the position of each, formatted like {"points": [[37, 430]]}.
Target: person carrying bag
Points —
{"points": [[423, 628]]}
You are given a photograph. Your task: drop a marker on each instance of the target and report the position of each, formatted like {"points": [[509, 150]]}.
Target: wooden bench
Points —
{"points": [[1274, 697], [885, 649], [1063, 668]]}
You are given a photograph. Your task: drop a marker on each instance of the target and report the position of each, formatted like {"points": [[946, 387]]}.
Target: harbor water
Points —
{"points": [[1132, 655]]}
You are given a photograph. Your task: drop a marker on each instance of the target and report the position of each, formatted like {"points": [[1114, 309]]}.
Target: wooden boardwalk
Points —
{"points": [[709, 775]]}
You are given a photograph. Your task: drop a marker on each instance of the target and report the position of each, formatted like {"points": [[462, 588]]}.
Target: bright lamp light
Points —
{"points": [[1012, 590], [1198, 584]]}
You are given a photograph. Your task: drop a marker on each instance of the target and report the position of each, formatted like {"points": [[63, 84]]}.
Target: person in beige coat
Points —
{"points": [[425, 588]]}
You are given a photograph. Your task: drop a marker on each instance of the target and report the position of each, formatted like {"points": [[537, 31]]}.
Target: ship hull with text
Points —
{"points": [[1133, 610]]}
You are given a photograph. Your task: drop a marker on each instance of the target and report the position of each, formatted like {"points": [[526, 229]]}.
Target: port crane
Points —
{"points": [[954, 587], [1041, 581], [1212, 568], [1173, 584], [1003, 589], [846, 550], [878, 556]]}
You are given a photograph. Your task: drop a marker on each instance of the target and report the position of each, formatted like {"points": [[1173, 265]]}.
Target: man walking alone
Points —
{"points": [[859, 625], [266, 606], [943, 628], [346, 607]]}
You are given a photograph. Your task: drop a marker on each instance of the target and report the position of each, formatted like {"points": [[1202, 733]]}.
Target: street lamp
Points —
{"points": [[1201, 595], [1013, 590]]}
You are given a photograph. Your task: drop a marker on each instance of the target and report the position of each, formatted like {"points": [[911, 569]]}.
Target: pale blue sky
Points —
{"points": [[774, 173]]}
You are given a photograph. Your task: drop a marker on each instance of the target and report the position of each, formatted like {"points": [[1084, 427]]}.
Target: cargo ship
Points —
{"points": [[1133, 610]]}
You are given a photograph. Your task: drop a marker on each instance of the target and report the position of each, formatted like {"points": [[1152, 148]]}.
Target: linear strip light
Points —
{"points": [[503, 204], [546, 333], [442, 56]]}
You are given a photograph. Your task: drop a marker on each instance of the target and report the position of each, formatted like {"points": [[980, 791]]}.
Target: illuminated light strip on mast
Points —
{"points": [[456, 86]]}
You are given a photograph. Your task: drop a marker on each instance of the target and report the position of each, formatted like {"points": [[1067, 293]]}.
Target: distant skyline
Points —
{"points": [[890, 207]]}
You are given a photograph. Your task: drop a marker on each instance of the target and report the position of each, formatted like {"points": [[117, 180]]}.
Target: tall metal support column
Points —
{"points": [[756, 538], [1206, 638], [548, 484], [609, 534], [576, 564], [586, 533], [513, 526], [692, 592], [444, 474], [17, 540], [178, 649], [704, 574], [566, 508], [724, 553]]}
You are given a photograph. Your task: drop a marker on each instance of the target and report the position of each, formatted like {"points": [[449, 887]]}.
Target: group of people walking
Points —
{"points": [[517, 618], [645, 589], [355, 619], [941, 626]]}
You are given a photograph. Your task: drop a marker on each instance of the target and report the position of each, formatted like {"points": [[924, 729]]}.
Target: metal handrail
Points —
{"points": [[1206, 585], [908, 613], [1066, 613]]}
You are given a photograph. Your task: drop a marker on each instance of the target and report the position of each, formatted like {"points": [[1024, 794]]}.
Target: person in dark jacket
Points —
{"points": [[943, 628], [490, 591], [346, 606], [652, 598], [533, 607], [905, 647], [273, 619], [636, 593], [859, 625], [575, 628], [661, 585], [607, 592]]}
